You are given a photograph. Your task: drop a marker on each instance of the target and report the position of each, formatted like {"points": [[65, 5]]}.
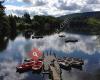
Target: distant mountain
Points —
{"points": [[95, 14], [84, 23]]}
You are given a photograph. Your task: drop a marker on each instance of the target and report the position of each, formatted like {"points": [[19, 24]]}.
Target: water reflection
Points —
{"points": [[86, 48], [3, 43]]}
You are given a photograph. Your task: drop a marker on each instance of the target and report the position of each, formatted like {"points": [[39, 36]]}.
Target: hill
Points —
{"points": [[84, 23]]}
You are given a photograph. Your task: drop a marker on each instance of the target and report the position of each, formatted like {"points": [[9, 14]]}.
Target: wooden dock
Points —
{"points": [[55, 74], [51, 65]]}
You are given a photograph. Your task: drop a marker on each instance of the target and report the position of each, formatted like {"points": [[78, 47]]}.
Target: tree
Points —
{"points": [[2, 9], [21, 27], [4, 26], [36, 26], [27, 18]]}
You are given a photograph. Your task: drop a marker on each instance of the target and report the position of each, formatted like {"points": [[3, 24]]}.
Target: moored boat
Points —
{"points": [[37, 37], [61, 35], [24, 66], [65, 66], [37, 66], [71, 39]]}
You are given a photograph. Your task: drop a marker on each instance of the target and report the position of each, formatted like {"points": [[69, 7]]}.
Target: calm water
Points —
{"points": [[88, 48]]}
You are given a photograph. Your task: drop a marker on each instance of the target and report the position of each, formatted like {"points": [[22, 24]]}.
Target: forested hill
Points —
{"points": [[95, 14], [85, 23]]}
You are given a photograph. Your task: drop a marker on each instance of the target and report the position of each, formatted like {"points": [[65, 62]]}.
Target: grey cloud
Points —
{"points": [[70, 7], [80, 75], [39, 3], [86, 9], [36, 2], [58, 44], [16, 12], [93, 1], [20, 12], [44, 12], [65, 6], [1, 0], [8, 71], [33, 13], [27, 1]]}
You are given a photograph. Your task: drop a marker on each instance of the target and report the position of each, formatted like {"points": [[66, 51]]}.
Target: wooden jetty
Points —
{"points": [[51, 65]]}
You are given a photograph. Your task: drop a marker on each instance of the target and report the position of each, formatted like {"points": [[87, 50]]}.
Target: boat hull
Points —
{"points": [[37, 67]]}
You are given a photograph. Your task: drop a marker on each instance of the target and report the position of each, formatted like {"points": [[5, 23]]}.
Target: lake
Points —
{"points": [[87, 48]]}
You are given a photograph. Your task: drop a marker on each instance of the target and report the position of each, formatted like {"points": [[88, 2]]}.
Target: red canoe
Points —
{"points": [[34, 64], [25, 66], [37, 66]]}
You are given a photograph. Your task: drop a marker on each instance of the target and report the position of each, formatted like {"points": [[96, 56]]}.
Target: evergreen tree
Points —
{"points": [[27, 18], [4, 26], [1, 9]]}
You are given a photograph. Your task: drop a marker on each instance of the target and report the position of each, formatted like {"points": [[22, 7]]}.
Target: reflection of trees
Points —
{"points": [[27, 33], [13, 31], [3, 43], [98, 41]]}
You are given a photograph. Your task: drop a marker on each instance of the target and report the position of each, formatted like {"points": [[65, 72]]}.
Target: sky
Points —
{"points": [[50, 7]]}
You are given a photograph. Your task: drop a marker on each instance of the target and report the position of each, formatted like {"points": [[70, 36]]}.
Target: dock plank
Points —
{"points": [[54, 69], [55, 74]]}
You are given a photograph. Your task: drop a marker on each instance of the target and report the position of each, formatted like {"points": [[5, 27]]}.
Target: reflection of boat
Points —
{"points": [[71, 39], [28, 33]]}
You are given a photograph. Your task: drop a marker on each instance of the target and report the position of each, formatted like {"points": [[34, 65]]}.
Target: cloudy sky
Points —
{"points": [[50, 7]]}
